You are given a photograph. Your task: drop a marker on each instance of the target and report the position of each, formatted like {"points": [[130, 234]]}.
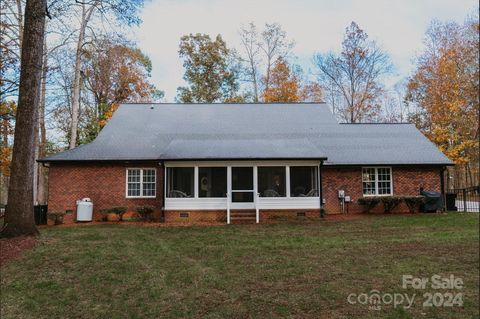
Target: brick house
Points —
{"points": [[228, 162]]}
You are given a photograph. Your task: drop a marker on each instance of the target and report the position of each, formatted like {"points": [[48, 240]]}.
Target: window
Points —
{"points": [[377, 181], [141, 182], [212, 182], [180, 181], [304, 181], [271, 181]]}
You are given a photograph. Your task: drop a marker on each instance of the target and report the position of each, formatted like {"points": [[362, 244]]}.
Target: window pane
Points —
{"points": [[304, 181], [242, 178], [212, 181], [180, 181], [271, 181]]}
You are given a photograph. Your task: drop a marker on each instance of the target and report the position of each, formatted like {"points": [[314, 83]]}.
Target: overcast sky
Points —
{"points": [[315, 25]]}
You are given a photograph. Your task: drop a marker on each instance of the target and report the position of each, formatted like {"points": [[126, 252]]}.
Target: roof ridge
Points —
{"points": [[224, 103], [371, 123]]}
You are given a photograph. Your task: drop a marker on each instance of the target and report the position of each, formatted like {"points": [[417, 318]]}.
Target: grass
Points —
{"points": [[300, 270]]}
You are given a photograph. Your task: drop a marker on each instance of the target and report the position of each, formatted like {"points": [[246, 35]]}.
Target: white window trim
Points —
{"points": [[141, 182], [376, 181]]}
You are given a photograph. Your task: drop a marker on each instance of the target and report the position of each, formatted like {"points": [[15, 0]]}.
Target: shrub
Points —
{"points": [[368, 203], [145, 212], [56, 217], [390, 202], [104, 212], [119, 210], [413, 203]]}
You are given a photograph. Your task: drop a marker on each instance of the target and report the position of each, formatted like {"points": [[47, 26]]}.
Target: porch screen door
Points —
{"points": [[242, 187]]}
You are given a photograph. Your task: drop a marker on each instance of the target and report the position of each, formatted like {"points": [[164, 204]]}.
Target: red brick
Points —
{"points": [[406, 181], [103, 183]]}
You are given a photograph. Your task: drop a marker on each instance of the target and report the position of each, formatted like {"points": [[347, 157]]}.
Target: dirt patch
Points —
{"points": [[11, 248]]}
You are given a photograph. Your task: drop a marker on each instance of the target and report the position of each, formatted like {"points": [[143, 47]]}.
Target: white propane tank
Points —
{"points": [[84, 210]]}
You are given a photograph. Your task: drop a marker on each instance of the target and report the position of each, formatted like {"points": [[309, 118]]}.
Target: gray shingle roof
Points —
{"points": [[251, 131]]}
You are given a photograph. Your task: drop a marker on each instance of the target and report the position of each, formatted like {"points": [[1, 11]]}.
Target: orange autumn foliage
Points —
{"points": [[7, 117], [286, 85], [445, 89]]}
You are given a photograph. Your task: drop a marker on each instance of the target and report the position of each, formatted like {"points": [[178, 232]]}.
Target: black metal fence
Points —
{"points": [[464, 199], [39, 213]]}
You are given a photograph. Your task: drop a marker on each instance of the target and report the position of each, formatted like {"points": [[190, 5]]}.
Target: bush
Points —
{"points": [[56, 217], [368, 203], [119, 210], [145, 212], [413, 203], [104, 212], [390, 202]]}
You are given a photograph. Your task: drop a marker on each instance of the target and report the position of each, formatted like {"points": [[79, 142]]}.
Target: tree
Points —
{"points": [[115, 72], [209, 70], [251, 61], [260, 52], [444, 89], [11, 35], [19, 213], [286, 85], [274, 45], [123, 11], [355, 74]]}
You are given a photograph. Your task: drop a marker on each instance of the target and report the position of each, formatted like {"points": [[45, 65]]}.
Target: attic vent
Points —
{"points": [[184, 215], [301, 214]]}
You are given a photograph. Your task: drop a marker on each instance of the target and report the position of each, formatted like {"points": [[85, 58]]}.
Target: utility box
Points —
{"points": [[84, 210], [451, 201]]}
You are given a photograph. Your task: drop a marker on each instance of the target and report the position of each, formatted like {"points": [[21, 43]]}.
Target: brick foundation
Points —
{"points": [[406, 181], [195, 216]]}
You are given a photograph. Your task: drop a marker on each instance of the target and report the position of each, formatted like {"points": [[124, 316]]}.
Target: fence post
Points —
{"points": [[464, 191]]}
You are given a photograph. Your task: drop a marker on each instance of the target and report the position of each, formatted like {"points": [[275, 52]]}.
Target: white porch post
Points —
{"points": [[255, 194], [229, 191], [228, 208]]}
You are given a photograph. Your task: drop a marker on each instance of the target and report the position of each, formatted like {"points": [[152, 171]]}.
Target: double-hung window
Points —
{"points": [[141, 182], [377, 181]]}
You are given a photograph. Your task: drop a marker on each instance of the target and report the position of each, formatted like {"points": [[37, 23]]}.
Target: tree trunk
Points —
{"points": [[19, 214], [42, 139], [86, 14], [3, 178]]}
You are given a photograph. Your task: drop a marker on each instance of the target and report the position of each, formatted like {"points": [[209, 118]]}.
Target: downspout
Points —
{"points": [[162, 210], [320, 190], [442, 187]]}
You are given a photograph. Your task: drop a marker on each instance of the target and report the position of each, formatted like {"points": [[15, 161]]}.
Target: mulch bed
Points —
{"points": [[11, 248]]}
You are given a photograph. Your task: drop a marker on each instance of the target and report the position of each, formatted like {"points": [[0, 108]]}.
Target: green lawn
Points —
{"points": [[300, 270]]}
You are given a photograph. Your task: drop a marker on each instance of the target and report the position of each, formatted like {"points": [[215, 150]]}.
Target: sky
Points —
{"points": [[316, 26]]}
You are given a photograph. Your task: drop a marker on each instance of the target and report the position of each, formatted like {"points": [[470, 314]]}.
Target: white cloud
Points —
{"points": [[316, 26]]}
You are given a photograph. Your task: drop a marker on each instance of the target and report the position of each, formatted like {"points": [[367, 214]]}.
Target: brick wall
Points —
{"points": [[103, 183], [406, 181]]}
